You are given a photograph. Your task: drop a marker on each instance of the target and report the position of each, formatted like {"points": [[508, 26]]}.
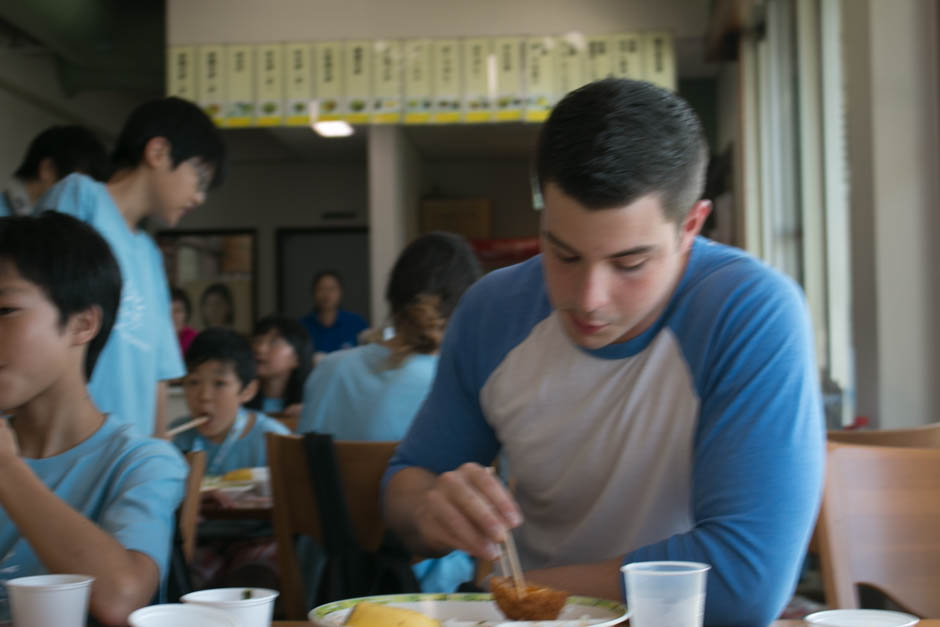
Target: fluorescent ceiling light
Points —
{"points": [[333, 128]]}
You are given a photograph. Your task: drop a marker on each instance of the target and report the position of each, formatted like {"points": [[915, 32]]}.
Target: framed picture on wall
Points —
{"points": [[217, 269]]}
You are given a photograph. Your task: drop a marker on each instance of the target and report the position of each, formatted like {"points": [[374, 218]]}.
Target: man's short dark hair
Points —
{"points": [[225, 346], [190, 132], [322, 274], [614, 141], [71, 148], [71, 263]]}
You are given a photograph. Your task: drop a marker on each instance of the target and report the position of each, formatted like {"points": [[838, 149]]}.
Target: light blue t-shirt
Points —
{"points": [[701, 439], [353, 394], [142, 349], [238, 450], [128, 485]]}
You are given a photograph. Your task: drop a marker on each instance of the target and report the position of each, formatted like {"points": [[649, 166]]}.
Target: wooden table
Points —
{"points": [[779, 623]]}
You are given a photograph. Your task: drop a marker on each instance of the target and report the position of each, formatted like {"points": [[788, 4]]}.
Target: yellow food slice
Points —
{"points": [[366, 614], [241, 474]]}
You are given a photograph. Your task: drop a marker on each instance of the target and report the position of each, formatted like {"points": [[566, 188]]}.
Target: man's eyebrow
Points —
{"points": [[12, 290], [636, 250]]}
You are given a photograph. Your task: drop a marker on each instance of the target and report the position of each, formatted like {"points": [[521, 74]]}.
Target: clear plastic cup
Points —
{"points": [[179, 615], [666, 594], [252, 607], [43, 600]]}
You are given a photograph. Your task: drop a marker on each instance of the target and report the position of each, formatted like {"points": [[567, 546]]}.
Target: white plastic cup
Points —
{"points": [[255, 611], [666, 594], [179, 615], [43, 600]]}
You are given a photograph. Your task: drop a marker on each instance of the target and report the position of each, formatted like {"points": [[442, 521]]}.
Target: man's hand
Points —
{"points": [[467, 509]]}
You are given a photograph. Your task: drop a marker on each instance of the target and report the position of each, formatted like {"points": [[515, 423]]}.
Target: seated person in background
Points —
{"points": [[373, 392], [79, 491], [283, 358], [655, 394], [217, 306], [52, 155], [330, 327], [181, 309], [220, 379]]}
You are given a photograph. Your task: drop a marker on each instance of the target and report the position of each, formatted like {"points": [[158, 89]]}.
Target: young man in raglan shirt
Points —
{"points": [[655, 394]]}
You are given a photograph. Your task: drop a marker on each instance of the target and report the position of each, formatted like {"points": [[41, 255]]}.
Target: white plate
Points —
{"points": [[862, 618], [464, 610]]}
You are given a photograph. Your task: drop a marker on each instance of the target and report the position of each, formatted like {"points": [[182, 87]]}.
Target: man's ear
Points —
{"points": [[47, 173], [157, 153], [84, 326], [248, 392], [692, 225]]}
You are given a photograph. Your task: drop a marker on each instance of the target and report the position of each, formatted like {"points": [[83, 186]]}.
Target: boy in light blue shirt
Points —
{"points": [[220, 380], [167, 157], [79, 491]]}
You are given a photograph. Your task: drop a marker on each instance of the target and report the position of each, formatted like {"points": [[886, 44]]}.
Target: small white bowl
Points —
{"points": [[862, 618], [179, 615], [252, 612]]}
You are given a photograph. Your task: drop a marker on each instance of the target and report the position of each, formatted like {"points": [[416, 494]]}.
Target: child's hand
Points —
{"points": [[8, 443]]}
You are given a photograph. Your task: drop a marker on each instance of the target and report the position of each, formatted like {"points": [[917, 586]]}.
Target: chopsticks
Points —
{"points": [[186, 426], [509, 557]]}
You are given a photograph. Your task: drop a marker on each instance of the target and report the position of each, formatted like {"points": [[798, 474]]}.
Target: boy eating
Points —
{"points": [[79, 492]]}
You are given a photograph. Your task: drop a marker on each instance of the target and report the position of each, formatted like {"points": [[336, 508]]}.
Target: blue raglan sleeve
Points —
{"points": [[450, 428], [72, 195], [759, 454]]}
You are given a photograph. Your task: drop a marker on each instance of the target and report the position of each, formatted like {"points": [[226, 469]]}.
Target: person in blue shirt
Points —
{"points": [[168, 155], [221, 378], [655, 394], [373, 392], [284, 357], [79, 491], [330, 327], [51, 156]]}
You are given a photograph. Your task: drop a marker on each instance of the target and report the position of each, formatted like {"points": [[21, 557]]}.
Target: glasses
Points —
{"points": [[204, 173]]}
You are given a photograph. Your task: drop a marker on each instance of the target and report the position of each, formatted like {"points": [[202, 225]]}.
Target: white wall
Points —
{"points": [[891, 63], [31, 100]]}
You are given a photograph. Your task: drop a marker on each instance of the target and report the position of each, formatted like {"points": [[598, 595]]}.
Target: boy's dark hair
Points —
{"points": [[226, 346], [177, 293], [185, 126], [614, 141], [427, 280], [71, 148], [71, 263], [322, 274], [222, 290], [296, 335]]}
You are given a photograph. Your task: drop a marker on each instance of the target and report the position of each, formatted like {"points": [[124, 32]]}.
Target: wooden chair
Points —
{"points": [[288, 421], [927, 436], [880, 526], [189, 508], [361, 466]]}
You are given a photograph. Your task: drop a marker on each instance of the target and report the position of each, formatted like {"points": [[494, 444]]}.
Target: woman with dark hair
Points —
{"points": [[373, 392], [217, 306], [330, 326], [283, 355], [181, 309]]}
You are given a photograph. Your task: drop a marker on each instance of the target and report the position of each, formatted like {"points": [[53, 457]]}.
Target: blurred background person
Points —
{"points": [[51, 156], [283, 359], [181, 309], [372, 392], [331, 327], [217, 306]]}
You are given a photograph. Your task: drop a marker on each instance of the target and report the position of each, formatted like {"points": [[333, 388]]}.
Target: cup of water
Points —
{"points": [[666, 594], [45, 600]]}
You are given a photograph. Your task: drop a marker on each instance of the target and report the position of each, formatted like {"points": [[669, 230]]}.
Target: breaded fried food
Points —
{"points": [[366, 614], [535, 602]]}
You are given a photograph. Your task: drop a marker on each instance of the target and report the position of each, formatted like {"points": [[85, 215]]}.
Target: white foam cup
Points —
{"points": [[666, 594], [43, 600], [179, 615], [254, 611]]}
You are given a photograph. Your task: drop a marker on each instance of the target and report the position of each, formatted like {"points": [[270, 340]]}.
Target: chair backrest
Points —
{"points": [[927, 436], [361, 466], [288, 421], [189, 508], [880, 526]]}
